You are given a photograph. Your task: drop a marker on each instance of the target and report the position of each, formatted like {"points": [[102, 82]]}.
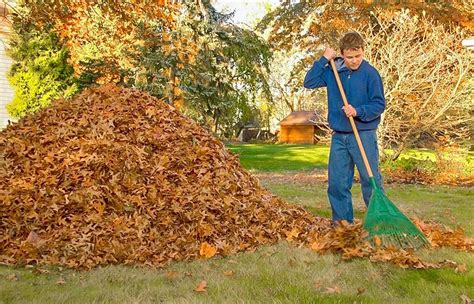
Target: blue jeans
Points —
{"points": [[343, 156]]}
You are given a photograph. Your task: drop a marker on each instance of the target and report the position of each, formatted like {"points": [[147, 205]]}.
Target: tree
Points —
{"points": [[40, 73], [228, 74], [427, 75], [304, 29], [185, 51]]}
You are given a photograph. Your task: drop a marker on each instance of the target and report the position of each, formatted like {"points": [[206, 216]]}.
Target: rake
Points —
{"points": [[386, 224]]}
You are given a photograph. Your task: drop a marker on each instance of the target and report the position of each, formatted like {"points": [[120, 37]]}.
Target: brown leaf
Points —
{"points": [[229, 273], [318, 284], [60, 281], [12, 277], [461, 268], [201, 287], [172, 274], [37, 270], [33, 238], [334, 289], [360, 290], [465, 299]]}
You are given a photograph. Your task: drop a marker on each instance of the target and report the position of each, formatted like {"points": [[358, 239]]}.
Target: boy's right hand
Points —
{"points": [[329, 54]]}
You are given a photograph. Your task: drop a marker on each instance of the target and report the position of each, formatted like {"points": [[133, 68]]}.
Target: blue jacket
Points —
{"points": [[363, 88]]}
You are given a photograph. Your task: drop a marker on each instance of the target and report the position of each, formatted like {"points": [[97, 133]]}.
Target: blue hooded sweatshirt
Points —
{"points": [[363, 88]]}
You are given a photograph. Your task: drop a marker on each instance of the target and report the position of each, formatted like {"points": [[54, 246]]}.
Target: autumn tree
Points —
{"points": [[304, 29], [185, 51], [428, 79]]}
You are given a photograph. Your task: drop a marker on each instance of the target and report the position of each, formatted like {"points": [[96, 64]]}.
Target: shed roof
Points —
{"points": [[301, 118]]}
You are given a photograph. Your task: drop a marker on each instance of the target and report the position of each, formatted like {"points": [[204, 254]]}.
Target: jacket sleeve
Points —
{"points": [[376, 105], [315, 76]]}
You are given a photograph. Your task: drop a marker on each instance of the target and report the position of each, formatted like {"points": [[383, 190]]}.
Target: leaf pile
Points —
{"points": [[118, 176], [349, 240]]}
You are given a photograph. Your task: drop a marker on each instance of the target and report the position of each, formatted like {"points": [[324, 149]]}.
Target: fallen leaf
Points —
{"points": [[334, 289], [201, 287], [465, 299], [207, 250], [229, 273], [172, 274], [318, 284], [377, 241], [60, 281], [461, 268], [33, 238], [12, 277], [360, 290]]}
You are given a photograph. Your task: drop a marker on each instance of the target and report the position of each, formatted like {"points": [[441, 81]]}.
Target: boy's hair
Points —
{"points": [[351, 41]]}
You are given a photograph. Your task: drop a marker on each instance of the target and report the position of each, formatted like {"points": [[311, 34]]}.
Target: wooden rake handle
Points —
{"points": [[351, 119]]}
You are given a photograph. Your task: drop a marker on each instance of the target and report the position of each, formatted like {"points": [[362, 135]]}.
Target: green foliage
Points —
{"points": [[223, 86], [40, 73]]}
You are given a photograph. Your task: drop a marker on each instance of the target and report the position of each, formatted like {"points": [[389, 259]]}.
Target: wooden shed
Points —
{"points": [[301, 127]]}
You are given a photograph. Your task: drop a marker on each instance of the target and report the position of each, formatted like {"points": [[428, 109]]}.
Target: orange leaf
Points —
{"points": [[377, 241], [201, 287], [207, 250]]}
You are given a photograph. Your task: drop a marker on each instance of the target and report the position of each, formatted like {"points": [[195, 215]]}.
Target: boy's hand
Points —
{"points": [[329, 54], [350, 111]]}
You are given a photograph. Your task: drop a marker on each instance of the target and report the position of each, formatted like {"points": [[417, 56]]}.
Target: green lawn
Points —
{"points": [[269, 157], [282, 157]]}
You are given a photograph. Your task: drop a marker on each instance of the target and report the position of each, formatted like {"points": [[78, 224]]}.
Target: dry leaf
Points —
{"points": [[461, 268], [360, 290], [33, 238], [201, 287], [12, 277], [229, 273], [465, 299], [334, 289], [318, 284], [207, 250], [172, 274], [37, 270], [377, 241], [60, 281]]}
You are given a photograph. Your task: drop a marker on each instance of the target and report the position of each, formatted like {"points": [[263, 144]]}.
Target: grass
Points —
{"points": [[282, 157], [268, 157], [273, 274]]}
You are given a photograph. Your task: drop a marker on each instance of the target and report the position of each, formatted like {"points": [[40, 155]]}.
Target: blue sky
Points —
{"points": [[245, 11]]}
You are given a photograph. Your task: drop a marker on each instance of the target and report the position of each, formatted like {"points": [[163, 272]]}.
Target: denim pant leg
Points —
{"points": [[340, 176], [369, 141]]}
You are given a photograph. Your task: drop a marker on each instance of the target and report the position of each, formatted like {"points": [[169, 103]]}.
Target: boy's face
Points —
{"points": [[353, 58]]}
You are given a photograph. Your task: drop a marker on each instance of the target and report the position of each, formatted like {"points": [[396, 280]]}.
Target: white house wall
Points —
{"points": [[6, 91]]}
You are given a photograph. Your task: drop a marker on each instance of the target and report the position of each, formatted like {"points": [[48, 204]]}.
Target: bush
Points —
{"points": [[40, 73], [452, 166]]}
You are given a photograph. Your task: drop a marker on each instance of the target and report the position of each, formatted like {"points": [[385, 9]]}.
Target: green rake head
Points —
{"points": [[385, 221]]}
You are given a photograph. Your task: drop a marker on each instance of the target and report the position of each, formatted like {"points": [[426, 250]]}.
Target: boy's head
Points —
{"points": [[352, 49]]}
